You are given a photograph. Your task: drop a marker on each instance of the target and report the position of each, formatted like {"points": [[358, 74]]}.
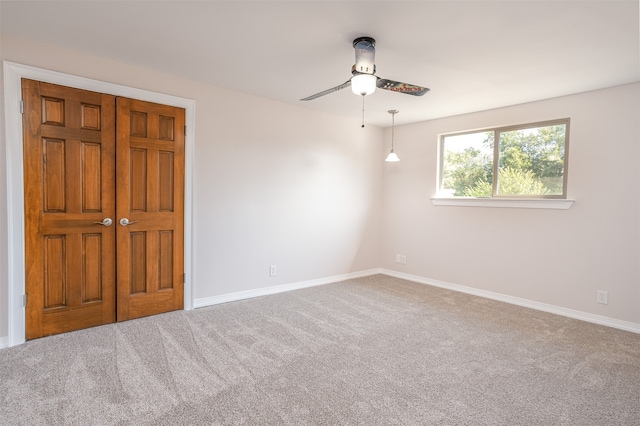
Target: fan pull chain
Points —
{"points": [[362, 110]]}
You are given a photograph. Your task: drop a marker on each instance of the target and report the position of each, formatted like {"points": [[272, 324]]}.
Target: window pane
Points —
{"points": [[467, 165], [531, 161]]}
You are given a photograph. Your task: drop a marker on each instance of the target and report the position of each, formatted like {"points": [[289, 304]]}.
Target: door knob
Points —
{"points": [[107, 221], [124, 221]]}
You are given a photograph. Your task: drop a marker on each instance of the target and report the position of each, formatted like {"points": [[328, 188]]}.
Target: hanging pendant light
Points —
{"points": [[392, 157]]}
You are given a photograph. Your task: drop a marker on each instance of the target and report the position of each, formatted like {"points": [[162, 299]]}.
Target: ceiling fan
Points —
{"points": [[364, 81]]}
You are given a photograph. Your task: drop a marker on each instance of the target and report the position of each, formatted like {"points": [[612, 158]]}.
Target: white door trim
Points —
{"points": [[13, 74]]}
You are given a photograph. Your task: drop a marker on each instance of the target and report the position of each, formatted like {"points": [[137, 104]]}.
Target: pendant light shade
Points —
{"points": [[363, 84], [392, 157]]}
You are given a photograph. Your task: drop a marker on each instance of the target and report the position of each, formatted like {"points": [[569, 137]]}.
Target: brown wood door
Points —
{"points": [[150, 181], [85, 161], [69, 160]]}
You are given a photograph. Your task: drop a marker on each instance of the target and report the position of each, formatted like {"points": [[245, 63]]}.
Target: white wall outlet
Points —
{"points": [[602, 297], [273, 271], [401, 259]]}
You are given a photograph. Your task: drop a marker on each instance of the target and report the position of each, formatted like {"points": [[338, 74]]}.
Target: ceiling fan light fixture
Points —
{"points": [[363, 84]]}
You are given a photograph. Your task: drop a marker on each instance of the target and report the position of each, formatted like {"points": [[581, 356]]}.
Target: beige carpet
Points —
{"points": [[370, 351]]}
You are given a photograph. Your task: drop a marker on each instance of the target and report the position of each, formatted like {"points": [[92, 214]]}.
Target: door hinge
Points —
{"points": [[184, 278], [24, 300], [185, 130], [21, 106]]}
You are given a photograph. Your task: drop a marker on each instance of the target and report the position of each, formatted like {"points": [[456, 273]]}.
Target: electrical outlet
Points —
{"points": [[602, 297], [401, 259], [273, 271]]}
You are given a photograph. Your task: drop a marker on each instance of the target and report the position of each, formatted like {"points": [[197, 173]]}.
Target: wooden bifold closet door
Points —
{"points": [[104, 221]]}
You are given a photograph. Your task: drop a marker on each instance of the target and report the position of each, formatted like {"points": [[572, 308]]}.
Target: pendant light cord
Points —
{"points": [[363, 110], [393, 128]]}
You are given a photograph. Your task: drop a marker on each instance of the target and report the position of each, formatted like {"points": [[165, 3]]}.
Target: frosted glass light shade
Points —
{"points": [[392, 157], [363, 84]]}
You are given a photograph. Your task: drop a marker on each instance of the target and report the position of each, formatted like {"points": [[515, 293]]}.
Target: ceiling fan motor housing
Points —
{"points": [[365, 48]]}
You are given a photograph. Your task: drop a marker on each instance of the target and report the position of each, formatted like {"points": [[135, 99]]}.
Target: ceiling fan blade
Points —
{"points": [[326, 92], [396, 86]]}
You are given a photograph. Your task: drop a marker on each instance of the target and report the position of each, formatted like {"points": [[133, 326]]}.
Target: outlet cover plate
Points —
{"points": [[401, 259], [602, 297]]}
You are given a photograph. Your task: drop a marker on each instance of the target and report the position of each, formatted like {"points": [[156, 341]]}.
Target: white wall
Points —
{"points": [[273, 183], [556, 257], [3, 221]]}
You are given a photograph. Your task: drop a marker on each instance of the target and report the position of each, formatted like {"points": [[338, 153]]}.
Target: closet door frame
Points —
{"points": [[13, 74]]}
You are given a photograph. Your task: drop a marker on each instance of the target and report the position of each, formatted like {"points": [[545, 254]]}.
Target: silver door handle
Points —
{"points": [[124, 221], [107, 221]]}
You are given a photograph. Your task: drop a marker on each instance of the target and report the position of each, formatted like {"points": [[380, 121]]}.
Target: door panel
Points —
{"points": [[69, 164], [80, 273], [150, 141]]}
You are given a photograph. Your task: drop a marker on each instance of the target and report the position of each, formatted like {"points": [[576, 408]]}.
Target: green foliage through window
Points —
{"points": [[530, 161]]}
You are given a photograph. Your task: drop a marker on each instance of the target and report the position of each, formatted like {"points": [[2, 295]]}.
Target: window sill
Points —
{"points": [[518, 203]]}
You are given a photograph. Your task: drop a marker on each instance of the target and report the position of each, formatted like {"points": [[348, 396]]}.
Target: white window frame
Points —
{"points": [[555, 201]]}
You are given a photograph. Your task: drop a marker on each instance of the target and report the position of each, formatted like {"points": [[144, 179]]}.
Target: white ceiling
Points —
{"points": [[473, 55]]}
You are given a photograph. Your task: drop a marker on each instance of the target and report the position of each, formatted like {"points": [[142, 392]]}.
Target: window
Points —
{"points": [[525, 161]]}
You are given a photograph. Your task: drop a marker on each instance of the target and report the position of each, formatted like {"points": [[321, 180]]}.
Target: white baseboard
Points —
{"points": [[248, 294], [4, 342], [570, 313]]}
